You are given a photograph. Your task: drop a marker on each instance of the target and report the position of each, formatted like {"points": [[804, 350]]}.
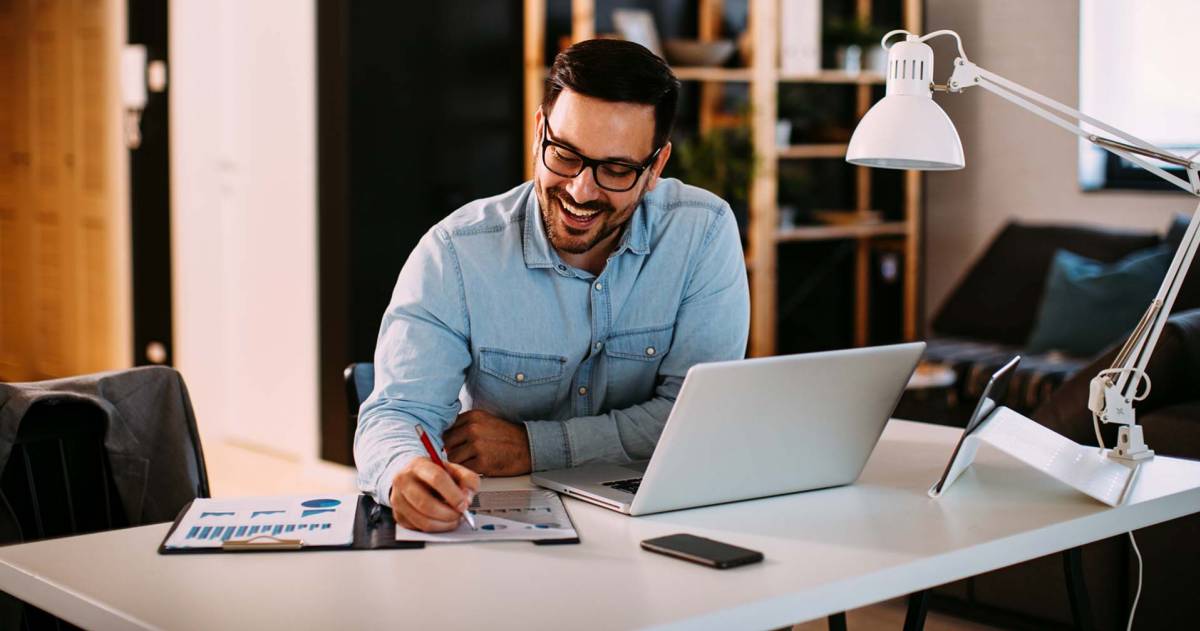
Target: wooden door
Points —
{"points": [[62, 196], [16, 214]]}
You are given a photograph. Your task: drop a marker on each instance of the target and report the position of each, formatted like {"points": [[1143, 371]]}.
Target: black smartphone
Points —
{"points": [[703, 551]]}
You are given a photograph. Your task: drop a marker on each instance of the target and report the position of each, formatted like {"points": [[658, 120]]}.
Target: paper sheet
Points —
{"points": [[316, 520], [527, 515]]}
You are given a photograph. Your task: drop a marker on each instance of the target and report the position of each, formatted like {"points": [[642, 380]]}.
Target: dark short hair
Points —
{"points": [[619, 71]]}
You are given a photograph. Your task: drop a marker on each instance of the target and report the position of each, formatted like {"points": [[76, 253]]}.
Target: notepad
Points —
{"points": [[310, 520], [526, 515]]}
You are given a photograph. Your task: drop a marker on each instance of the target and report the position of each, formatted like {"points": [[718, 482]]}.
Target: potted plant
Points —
{"points": [[851, 39], [720, 161]]}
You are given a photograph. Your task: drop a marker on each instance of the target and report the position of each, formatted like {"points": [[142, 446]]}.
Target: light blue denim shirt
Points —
{"points": [[486, 315]]}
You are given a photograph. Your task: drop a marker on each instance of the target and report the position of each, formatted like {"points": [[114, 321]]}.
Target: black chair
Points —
{"points": [[58, 482], [360, 380]]}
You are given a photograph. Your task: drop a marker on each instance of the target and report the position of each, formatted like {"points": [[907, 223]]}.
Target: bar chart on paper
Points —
{"points": [[315, 521], [524, 515]]}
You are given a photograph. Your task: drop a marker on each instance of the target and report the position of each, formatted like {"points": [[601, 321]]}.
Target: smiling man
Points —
{"points": [[561, 317]]}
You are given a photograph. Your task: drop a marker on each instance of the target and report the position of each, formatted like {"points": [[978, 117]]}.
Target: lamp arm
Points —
{"points": [[967, 74], [1133, 360]]}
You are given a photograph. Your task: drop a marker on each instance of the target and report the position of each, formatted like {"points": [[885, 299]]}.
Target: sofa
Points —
{"points": [[991, 313]]}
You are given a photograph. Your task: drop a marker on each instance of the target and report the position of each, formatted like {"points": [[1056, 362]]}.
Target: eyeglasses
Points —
{"points": [[611, 175]]}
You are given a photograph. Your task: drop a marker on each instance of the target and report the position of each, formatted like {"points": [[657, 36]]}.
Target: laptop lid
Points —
{"points": [[759, 427]]}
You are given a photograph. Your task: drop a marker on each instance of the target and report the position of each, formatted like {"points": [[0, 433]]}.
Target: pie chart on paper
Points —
{"points": [[321, 503]]}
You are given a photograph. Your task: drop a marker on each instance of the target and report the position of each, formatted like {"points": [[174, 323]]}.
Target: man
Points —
{"points": [[562, 315]]}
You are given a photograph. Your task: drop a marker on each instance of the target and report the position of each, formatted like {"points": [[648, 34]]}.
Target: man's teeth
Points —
{"points": [[579, 211]]}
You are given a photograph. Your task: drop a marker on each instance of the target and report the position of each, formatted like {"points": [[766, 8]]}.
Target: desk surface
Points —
{"points": [[826, 551]]}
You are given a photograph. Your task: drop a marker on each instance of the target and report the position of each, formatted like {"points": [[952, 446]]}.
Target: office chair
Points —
{"points": [[58, 481], [360, 380]]}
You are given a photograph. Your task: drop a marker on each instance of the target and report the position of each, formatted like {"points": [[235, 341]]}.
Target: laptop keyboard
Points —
{"points": [[629, 486]]}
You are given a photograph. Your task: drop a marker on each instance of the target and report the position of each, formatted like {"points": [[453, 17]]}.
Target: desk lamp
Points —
{"points": [[906, 129]]}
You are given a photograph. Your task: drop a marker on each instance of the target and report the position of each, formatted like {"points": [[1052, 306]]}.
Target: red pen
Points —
{"points": [[433, 455]]}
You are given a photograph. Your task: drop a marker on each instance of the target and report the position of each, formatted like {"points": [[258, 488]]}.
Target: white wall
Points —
{"points": [[243, 162], [1018, 165]]}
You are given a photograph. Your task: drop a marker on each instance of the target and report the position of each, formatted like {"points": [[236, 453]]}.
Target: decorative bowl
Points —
{"points": [[692, 52]]}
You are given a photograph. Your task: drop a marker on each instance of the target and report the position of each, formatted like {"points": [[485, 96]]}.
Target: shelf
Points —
{"points": [[848, 231], [834, 76], [831, 150], [700, 73]]}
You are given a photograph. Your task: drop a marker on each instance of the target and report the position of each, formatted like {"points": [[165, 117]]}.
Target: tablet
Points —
{"points": [[964, 451]]}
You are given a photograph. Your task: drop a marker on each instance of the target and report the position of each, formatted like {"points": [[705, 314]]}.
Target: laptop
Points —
{"points": [[755, 428]]}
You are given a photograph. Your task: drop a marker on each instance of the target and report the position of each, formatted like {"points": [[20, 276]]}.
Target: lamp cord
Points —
{"points": [[1138, 594], [884, 40], [1142, 378]]}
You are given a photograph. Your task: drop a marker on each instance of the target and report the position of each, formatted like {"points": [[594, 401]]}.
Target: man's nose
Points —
{"points": [[583, 187]]}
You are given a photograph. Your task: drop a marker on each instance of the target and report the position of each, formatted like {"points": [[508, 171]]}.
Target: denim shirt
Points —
{"points": [[486, 315]]}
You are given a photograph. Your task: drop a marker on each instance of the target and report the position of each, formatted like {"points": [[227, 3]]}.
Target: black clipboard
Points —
{"points": [[374, 529]]}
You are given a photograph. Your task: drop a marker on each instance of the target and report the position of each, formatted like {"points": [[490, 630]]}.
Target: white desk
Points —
{"points": [[826, 551]]}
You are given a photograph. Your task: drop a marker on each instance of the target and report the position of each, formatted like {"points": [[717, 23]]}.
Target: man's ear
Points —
{"points": [[535, 142], [656, 169]]}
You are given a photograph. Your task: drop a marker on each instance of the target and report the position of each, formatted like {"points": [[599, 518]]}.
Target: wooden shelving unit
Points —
{"points": [[765, 235]]}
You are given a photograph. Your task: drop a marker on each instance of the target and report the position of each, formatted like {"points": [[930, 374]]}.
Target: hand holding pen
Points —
{"points": [[432, 494], [441, 462]]}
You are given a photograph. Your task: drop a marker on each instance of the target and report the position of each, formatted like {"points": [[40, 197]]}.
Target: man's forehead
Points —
{"points": [[603, 129]]}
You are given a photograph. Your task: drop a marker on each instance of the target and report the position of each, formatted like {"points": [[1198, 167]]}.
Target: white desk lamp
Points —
{"points": [[907, 130]]}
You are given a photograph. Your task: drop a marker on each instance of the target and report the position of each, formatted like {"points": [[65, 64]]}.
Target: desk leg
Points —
{"points": [[918, 606], [837, 622], [1081, 605]]}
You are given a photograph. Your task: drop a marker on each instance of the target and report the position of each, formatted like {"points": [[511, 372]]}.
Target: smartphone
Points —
{"points": [[703, 551]]}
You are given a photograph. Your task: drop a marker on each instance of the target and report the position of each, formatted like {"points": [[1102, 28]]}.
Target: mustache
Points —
{"points": [[563, 196]]}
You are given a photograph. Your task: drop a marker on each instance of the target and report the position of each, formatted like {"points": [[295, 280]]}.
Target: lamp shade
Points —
{"points": [[906, 129]]}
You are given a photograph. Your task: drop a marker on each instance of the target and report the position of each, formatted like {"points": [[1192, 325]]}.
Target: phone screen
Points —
{"points": [[702, 550]]}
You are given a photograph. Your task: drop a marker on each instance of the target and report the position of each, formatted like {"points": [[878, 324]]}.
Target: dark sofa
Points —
{"points": [[984, 322], [989, 316]]}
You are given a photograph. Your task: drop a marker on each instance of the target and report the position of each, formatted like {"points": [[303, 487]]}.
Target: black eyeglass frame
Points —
{"points": [[586, 162]]}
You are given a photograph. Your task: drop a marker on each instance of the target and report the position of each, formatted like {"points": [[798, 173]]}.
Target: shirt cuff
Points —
{"points": [[383, 490], [548, 446]]}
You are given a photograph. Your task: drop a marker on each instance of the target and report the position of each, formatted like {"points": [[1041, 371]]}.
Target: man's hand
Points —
{"points": [[488, 444], [425, 497]]}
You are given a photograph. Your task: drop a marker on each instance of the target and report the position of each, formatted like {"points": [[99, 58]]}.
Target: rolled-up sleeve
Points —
{"points": [[712, 324], [421, 359]]}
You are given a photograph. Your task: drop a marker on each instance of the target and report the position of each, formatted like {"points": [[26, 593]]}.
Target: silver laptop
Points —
{"points": [[754, 428]]}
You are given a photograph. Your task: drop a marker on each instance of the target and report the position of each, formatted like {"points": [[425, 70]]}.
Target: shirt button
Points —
{"points": [[520, 377], [650, 351], [599, 286], [562, 268], [582, 390], [598, 346]]}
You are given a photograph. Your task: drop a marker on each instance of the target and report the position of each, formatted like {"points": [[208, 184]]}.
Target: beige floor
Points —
{"points": [[242, 470]]}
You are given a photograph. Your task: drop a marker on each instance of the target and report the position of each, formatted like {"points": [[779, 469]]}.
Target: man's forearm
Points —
{"points": [[622, 435]]}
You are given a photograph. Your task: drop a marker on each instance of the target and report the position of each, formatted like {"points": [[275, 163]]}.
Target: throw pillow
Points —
{"points": [[1088, 305]]}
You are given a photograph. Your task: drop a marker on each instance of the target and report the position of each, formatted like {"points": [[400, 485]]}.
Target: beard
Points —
{"points": [[577, 240]]}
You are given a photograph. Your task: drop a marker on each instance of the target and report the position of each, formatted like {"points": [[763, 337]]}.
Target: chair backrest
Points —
{"points": [[360, 380], [58, 481]]}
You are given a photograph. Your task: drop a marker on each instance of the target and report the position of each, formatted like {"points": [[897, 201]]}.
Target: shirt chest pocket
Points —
{"points": [[643, 345], [521, 369], [633, 360]]}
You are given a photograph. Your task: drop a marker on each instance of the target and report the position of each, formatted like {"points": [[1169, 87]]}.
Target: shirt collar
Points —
{"points": [[539, 252]]}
